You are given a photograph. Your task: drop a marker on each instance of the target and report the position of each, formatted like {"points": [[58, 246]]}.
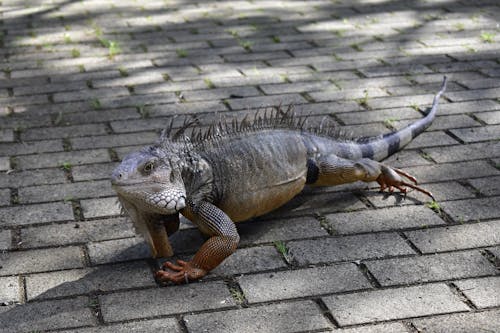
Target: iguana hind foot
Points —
{"points": [[391, 177]]}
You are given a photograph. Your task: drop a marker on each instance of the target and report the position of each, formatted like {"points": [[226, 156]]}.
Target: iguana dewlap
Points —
{"points": [[238, 171]]}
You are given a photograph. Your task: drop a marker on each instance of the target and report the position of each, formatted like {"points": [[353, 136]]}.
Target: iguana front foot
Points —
{"points": [[184, 272], [391, 177]]}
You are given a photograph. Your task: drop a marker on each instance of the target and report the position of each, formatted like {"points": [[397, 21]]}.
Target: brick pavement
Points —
{"points": [[84, 82]]}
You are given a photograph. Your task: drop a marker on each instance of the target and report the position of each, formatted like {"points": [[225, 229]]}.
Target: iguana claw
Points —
{"points": [[184, 272], [390, 177]]}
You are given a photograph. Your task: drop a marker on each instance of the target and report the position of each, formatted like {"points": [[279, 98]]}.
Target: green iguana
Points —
{"points": [[240, 170]]}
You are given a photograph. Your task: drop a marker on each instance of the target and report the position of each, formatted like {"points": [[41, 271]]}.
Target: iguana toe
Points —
{"points": [[183, 272]]}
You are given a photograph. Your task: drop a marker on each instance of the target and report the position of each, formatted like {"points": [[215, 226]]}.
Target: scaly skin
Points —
{"points": [[237, 173]]}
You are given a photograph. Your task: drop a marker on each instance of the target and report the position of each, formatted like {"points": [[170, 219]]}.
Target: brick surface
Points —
{"points": [[57, 159], [165, 301], [146, 326], [473, 209], [5, 239], [380, 328], [379, 305], [348, 248], [482, 292], [382, 219], [76, 232], [48, 315], [82, 281], [65, 191], [290, 284], [39, 213], [10, 292], [430, 268], [287, 317], [118, 250], [456, 237], [40, 260], [460, 323], [100, 207]]}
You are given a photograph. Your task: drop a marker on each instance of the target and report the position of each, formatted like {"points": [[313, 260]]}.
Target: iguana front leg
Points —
{"points": [[223, 241], [332, 170]]}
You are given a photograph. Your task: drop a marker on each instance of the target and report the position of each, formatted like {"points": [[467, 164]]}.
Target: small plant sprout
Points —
{"points": [[283, 250], [67, 38], [237, 295], [209, 83], [112, 46], [487, 37], [75, 53], [363, 101], [276, 39], [123, 71], [247, 45], [95, 103], [459, 26], [389, 122], [66, 166], [181, 53], [143, 111], [434, 205]]}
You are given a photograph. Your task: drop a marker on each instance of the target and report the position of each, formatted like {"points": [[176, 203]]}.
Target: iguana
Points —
{"points": [[239, 170]]}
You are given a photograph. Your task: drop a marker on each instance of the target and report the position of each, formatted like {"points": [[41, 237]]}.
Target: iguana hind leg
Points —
{"points": [[331, 170], [223, 241]]}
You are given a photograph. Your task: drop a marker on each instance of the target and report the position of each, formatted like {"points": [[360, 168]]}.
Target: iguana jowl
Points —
{"points": [[241, 171]]}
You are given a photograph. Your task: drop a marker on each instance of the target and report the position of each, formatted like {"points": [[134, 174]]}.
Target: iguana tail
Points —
{"points": [[379, 148]]}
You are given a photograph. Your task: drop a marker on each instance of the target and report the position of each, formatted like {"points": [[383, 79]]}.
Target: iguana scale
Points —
{"points": [[238, 171]]}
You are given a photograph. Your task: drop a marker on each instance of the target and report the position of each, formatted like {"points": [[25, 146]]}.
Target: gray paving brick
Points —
{"points": [[6, 135], [476, 94], [382, 219], [117, 250], [249, 260], [76, 232], [464, 152], [102, 207], [368, 116], [144, 326], [451, 238], [4, 163], [451, 171], [265, 101], [483, 292], [57, 159], [30, 147], [39, 213], [286, 317], [287, 88], [490, 118], [256, 232], [365, 307], [345, 248], [116, 140], [351, 94], [427, 268], [40, 260], [165, 301], [4, 197], [32, 177], [83, 281], [5, 240], [477, 134], [487, 186], [89, 94], [468, 107], [487, 321], [48, 315], [290, 284], [380, 328], [63, 132], [92, 171], [10, 292], [472, 209], [41, 193], [401, 101]]}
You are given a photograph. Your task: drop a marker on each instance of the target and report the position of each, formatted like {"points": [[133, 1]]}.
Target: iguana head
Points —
{"points": [[150, 179], [150, 188]]}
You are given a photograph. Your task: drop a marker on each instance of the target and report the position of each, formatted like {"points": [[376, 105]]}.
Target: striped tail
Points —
{"points": [[390, 143]]}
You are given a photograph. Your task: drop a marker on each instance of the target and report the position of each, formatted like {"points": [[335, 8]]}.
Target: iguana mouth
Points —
{"points": [[162, 201]]}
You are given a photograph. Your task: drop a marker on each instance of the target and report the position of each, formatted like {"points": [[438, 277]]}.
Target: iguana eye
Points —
{"points": [[148, 167]]}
